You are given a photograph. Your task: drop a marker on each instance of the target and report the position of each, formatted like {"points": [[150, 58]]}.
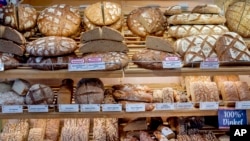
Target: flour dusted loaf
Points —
{"points": [[181, 31], [172, 10], [59, 20], [11, 34], [89, 91], [196, 18], [51, 46], [39, 94], [237, 15], [207, 9], [9, 61], [151, 59], [145, 21], [230, 48]]}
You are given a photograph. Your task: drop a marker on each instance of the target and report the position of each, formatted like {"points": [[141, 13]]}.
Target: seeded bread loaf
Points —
{"points": [[243, 90], [229, 91]]}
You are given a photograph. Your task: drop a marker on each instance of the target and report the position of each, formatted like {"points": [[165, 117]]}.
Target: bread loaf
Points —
{"points": [[36, 134], [11, 98], [5, 86], [237, 15], [112, 60], [158, 43], [151, 59], [146, 21], [173, 10], [243, 90], [52, 129], [10, 47], [157, 96], [212, 91], [231, 48], [9, 61], [190, 79], [112, 129], [65, 92], [229, 91], [59, 20], [144, 136], [39, 94], [99, 132], [21, 86], [89, 91], [9, 16], [11, 34], [197, 92], [207, 9], [168, 95], [181, 31], [195, 18], [51, 46]]}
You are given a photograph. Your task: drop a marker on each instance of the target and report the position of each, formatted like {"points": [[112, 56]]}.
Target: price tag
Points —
{"points": [[68, 107], [184, 105], [81, 65], [139, 107], [210, 63], [172, 62], [90, 108], [242, 105], [209, 105], [1, 66], [12, 109], [164, 106], [38, 108], [111, 107]]}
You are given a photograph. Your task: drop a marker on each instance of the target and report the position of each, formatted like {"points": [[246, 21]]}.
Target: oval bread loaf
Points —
{"points": [[51, 46], [59, 20], [207, 9]]}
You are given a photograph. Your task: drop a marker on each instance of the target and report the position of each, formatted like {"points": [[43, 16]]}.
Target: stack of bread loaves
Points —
{"points": [[104, 45]]}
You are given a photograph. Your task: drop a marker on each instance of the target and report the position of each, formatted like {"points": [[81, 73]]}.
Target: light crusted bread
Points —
{"points": [[172, 10], [9, 16], [51, 46], [159, 43], [207, 9], [196, 18], [181, 31], [59, 20], [167, 95], [7, 46], [230, 47], [237, 15], [197, 92], [243, 90], [190, 79], [11, 34], [212, 91], [229, 91], [52, 129]]}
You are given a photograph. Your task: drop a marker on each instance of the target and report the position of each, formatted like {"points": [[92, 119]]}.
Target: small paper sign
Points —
{"points": [[12, 109], [164, 106], [242, 105], [210, 63], [90, 108], [38, 108], [172, 62], [111, 107], [1, 66], [138, 107], [90, 64], [184, 105], [209, 105], [68, 108]]}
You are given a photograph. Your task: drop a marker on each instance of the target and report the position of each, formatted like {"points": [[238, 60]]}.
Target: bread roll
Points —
{"points": [[181, 31], [158, 43], [207, 9], [229, 91], [243, 90], [195, 18], [89, 91], [51, 46], [237, 15]]}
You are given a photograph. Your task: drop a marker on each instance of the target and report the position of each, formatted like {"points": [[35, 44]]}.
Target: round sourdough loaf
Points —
{"points": [[51, 46], [39, 94], [151, 59], [238, 18], [59, 20], [145, 21], [89, 91]]}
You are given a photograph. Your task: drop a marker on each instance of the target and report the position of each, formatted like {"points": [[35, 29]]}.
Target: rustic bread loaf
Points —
{"points": [[190, 79], [89, 91], [181, 31], [146, 21], [39, 94], [9, 61], [11, 98], [151, 59], [199, 41], [65, 92], [237, 15], [11, 34], [243, 90], [196, 18], [36, 134], [11, 47], [197, 91], [230, 48], [229, 91], [9, 16], [103, 13], [99, 132], [52, 129], [21, 86], [167, 95], [173, 10], [212, 91], [112, 60], [158, 43], [207, 9], [51, 46], [59, 20]]}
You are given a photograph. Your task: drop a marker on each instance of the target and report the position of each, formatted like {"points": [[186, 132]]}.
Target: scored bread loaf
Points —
{"points": [[151, 59], [11, 34], [59, 20], [230, 47], [237, 15], [196, 18], [172, 10], [207, 9], [51, 46], [180, 31], [158, 43], [229, 91], [243, 90], [7, 46]]}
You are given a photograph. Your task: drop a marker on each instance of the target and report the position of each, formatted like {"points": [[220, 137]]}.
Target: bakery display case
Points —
{"points": [[137, 38]]}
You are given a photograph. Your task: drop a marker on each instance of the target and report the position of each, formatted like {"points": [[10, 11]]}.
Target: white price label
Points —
{"points": [[242, 105], [68, 108], [1, 66], [139, 107], [164, 106], [172, 62], [111, 107], [210, 63], [184, 105], [38, 108], [12, 109], [209, 105], [86, 65], [90, 108]]}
